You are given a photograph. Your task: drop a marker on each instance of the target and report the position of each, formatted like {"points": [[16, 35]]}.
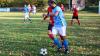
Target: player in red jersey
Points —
{"points": [[75, 16], [51, 23]]}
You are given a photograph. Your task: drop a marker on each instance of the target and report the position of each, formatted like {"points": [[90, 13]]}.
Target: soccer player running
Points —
{"points": [[30, 8], [59, 27], [75, 15], [26, 13], [51, 22]]}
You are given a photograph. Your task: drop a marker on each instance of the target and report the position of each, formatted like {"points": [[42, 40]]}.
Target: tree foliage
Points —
{"points": [[39, 3]]}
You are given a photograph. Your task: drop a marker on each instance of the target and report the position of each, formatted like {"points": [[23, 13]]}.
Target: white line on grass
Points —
{"points": [[30, 18]]}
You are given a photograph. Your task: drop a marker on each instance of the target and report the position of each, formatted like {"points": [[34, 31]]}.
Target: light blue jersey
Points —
{"points": [[59, 20], [26, 10]]}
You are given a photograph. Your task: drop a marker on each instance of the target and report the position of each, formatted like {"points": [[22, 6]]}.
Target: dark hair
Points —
{"points": [[53, 2], [59, 4]]}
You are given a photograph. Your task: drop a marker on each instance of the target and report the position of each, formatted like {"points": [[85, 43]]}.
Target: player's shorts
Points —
{"points": [[50, 27], [75, 17], [59, 30], [34, 11], [26, 15]]}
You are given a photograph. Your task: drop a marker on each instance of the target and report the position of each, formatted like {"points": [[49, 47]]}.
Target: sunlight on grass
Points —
{"points": [[20, 39]]}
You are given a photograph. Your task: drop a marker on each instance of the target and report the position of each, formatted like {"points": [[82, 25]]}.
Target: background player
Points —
{"points": [[26, 13], [33, 9], [75, 15]]}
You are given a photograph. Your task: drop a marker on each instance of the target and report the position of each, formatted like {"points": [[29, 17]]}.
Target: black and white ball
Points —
{"points": [[43, 51]]}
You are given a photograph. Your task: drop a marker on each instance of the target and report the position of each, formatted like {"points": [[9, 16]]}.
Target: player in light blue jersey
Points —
{"points": [[26, 13], [59, 27]]}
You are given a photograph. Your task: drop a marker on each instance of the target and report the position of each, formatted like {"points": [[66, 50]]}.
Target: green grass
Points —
{"points": [[17, 37]]}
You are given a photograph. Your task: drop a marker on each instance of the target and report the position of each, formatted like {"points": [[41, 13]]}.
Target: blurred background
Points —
{"points": [[17, 5]]}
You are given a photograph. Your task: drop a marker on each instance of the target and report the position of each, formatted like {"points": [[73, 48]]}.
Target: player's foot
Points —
{"points": [[52, 44], [30, 21], [59, 49], [24, 22], [66, 51]]}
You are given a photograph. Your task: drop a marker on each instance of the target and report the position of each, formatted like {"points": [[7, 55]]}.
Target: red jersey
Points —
{"points": [[75, 12], [51, 17]]}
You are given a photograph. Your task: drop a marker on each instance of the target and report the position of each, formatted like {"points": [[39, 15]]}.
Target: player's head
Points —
{"points": [[59, 4], [25, 5], [53, 4], [49, 2], [75, 7]]}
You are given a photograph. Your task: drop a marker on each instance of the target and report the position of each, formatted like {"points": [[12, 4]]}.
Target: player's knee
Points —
{"points": [[49, 32], [63, 37]]}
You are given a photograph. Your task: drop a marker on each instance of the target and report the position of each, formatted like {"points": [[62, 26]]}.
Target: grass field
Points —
{"points": [[21, 39]]}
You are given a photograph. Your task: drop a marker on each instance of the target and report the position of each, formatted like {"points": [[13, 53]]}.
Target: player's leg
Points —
{"points": [[62, 32], [28, 17], [78, 20], [50, 34], [29, 12], [56, 40], [30, 20], [25, 17], [50, 31]]}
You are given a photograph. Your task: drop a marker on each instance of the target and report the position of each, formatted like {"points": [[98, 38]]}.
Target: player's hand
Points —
{"points": [[50, 14], [44, 15]]}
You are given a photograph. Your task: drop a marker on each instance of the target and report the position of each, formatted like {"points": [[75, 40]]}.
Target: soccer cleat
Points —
{"points": [[52, 44], [59, 49], [66, 51], [30, 21]]}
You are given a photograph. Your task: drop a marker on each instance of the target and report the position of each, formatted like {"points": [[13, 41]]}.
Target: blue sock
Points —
{"points": [[57, 42], [65, 43]]}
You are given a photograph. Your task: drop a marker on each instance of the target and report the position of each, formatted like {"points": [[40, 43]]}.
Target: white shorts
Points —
{"points": [[26, 15], [33, 12], [59, 30]]}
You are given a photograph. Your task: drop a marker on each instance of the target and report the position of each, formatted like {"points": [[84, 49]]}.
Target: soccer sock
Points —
{"points": [[57, 42], [78, 21], [51, 36], [71, 22], [29, 19], [65, 43]]}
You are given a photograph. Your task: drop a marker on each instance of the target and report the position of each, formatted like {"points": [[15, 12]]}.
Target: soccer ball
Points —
{"points": [[43, 51]]}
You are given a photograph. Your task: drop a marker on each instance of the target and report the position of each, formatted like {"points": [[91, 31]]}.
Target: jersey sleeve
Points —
{"points": [[58, 8], [49, 9]]}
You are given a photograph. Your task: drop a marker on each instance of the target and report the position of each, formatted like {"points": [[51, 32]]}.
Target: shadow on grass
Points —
{"points": [[93, 9]]}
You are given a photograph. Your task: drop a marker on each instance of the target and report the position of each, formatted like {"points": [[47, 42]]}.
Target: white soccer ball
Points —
{"points": [[43, 51]]}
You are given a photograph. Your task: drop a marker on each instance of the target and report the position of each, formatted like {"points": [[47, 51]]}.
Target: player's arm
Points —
{"points": [[57, 10], [45, 16], [54, 14]]}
